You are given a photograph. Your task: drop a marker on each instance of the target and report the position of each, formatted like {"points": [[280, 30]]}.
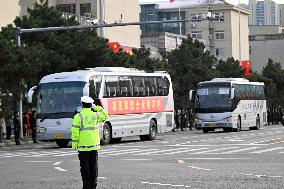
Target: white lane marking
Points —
{"points": [[275, 176], [57, 163], [199, 168], [239, 150], [131, 152], [159, 151], [216, 158], [135, 159], [182, 151], [215, 150], [37, 161], [104, 178], [166, 184], [65, 154], [109, 152], [267, 150], [60, 169]]}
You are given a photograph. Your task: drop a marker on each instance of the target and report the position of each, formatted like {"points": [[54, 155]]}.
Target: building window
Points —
{"points": [[85, 9], [196, 34], [219, 17], [196, 17], [220, 52], [219, 35], [67, 8]]}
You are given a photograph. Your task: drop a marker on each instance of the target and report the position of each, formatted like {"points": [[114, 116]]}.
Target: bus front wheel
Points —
{"points": [[152, 132], [106, 134], [62, 143], [205, 130]]}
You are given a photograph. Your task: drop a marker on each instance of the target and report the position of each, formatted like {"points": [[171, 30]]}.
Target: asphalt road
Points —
{"points": [[188, 159]]}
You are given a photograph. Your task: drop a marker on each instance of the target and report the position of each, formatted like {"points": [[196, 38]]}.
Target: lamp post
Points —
{"points": [[240, 47]]}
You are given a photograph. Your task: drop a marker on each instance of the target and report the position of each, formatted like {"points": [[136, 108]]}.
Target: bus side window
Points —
{"points": [[138, 86], [125, 86], [163, 85], [150, 86], [112, 88]]}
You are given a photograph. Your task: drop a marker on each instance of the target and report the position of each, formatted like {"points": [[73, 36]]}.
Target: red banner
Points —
{"points": [[135, 105]]}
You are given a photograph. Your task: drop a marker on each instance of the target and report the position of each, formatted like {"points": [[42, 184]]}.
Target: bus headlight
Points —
{"points": [[198, 120], [227, 119], [41, 130]]}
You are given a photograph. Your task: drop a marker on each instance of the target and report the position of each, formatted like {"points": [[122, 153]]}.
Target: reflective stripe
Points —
{"points": [[88, 128], [97, 145], [82, 123], [76, 126], [75, 140]]}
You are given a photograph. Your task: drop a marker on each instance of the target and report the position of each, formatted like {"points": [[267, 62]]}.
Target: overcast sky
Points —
{"points": [[230, 1]]}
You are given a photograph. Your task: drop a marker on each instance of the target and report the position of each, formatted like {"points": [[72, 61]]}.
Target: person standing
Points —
{"points": [[1, 130], [24, 124], [86, 139], [190, 119], [33, 126], [17, 127]]}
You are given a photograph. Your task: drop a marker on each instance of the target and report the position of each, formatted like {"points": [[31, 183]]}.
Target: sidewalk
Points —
{"points": [[25, 140]]}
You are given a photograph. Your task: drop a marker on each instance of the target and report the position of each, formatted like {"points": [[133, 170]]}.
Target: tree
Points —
{"points": [[274, 81], [188, 65], [229, 68]]}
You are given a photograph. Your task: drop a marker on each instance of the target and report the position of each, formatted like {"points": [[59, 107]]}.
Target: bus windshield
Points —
{"points": [[213, 99], [59, 97]]}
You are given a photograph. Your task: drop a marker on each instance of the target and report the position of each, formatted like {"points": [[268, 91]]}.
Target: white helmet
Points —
{"points": [[87, 99]]}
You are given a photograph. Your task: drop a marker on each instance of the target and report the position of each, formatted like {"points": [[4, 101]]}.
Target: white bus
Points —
{"points": [[229, 103], [138, 103]]}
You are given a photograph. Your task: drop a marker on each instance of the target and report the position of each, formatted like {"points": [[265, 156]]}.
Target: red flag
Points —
{"points": [[172, 1], [246, 65], [115, 46]]}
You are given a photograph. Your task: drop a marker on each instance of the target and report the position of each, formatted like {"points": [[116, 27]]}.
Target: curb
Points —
{"points": [[12, 142]]}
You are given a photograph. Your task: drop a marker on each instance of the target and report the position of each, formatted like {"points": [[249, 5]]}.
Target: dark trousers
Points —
{"points": [[17, 136], [89, 168], [34, 137], [8, 136]]}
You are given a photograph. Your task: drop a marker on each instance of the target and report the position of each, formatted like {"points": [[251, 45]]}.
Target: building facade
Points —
{"points": [[9, 10], [266, 42], [264, 12], [281, 14], [220, 33], [105, 11]]}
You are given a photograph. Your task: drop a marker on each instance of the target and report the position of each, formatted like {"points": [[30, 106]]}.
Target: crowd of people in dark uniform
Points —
{"points": [[184, 119], [275, 115]]}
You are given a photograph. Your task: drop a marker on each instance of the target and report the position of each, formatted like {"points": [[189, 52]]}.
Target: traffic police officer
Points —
{"points": [[86, 139]]}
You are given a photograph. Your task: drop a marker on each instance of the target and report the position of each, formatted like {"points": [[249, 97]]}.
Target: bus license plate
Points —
{"points": [[58, 136], [212, 124]]}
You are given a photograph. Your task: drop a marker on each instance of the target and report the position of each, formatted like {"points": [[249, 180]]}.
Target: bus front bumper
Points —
{"points": [[213, 125], [44, 134]]}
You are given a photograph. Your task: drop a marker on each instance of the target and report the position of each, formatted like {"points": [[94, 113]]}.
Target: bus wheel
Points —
{"points": [[152, 132], [62, 143], [106, 134], [205, 130]]}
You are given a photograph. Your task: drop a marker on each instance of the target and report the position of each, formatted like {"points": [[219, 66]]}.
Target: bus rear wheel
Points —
{"points": [[152, 132], [62, 143], [106, 134]]}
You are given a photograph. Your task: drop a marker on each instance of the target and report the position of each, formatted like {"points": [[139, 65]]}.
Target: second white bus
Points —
{"points": [[231, 104]]}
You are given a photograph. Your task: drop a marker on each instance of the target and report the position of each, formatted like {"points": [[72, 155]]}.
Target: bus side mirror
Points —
{"points": [[30, 94], [232, 93], [191, 94]]}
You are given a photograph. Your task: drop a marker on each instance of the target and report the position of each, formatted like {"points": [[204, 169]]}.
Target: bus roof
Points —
{"points": [[84, 75], [232, 80]]}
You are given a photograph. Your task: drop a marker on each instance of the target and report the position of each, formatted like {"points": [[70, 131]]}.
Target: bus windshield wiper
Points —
{"points": [[49, 114]]}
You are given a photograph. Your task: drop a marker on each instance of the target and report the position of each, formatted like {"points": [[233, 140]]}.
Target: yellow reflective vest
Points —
{"points": [[85, 130]]}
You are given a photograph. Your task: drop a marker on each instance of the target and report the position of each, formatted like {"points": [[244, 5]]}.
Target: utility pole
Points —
{"points": [[240, 47], [102, 17], [18, 40]]}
